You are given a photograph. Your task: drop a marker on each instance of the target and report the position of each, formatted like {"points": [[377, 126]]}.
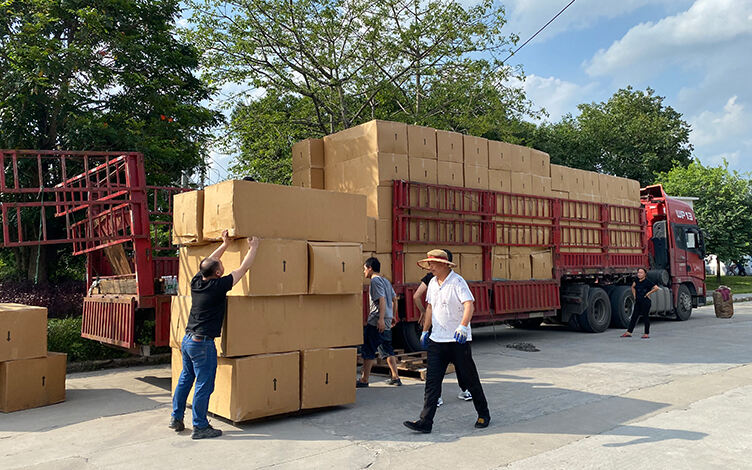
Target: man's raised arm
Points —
{"points": [[238, 274]]}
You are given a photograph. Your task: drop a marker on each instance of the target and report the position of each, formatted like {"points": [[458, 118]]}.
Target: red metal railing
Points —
{"points": [[110, 320]]}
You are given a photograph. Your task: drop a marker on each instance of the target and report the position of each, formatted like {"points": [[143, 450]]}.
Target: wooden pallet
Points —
{"points": [[408, 364]]}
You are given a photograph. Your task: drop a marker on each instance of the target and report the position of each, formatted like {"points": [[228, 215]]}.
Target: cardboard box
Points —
{"points": [[421, 142], [499, 155], [500, 180], [560, 194], [260, 325], [280, 267], [413, 272], [476, 176], [475, 151], [559, 180], [309, 178], [522, 183], [326, 377], [520, 159], [371, 137], [188, 218], [273, 211], [540, 163], [251, 387], [449, 146], [451, 174], [366, 171], [29, 383], [370, 244], [383, 236], [334, 268], [23, 332], [472, 267], [542, 264], [519, 264], [541, 185], [500, 266], [308, 153], [423, 170]]}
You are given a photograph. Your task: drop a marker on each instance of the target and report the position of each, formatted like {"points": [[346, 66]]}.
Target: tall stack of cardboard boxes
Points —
{"points": [[367, 158], [29, 375], [290, 320]]}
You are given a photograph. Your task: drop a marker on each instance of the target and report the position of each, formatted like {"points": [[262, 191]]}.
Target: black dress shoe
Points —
{"points": [[482, 422], [176, 424], [417, 426]]}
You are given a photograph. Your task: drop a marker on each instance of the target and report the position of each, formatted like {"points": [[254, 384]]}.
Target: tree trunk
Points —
{"points": [[718, 269], [37, 268]]}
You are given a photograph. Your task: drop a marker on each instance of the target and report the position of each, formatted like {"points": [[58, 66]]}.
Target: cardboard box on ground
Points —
{"points": [[250, 387], [326, 377], [23, 332], [274, 211], [188, 218], [30, 383], [259, 325]]}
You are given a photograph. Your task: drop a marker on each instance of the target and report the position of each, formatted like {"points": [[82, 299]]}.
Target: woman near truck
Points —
{"points": [[642, 288]]}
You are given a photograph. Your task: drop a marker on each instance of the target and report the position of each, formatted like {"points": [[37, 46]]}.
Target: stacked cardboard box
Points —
{"points": [[308, 164], [29, 375], [290, 320], [367, 159]]}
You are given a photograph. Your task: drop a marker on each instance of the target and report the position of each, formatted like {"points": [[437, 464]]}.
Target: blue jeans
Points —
{"points": [[199, 364]]}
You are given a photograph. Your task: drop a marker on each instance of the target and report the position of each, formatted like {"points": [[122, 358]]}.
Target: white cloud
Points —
{"points": [[557, 96], [687, 38], [732, 158], [527, 16], [710, 127]]}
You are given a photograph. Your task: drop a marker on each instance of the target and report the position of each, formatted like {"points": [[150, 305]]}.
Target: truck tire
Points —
{"points": [[683, 308], [597, 316], [410, 333], [622, 304]]}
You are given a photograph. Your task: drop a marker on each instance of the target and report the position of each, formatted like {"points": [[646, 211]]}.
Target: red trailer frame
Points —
{"points": [[105, 201], [486, 223]]}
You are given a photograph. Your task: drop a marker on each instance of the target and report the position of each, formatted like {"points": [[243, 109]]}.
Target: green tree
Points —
{"points": [[326, 65], [723, 208], [633, 135], [107, 75]]}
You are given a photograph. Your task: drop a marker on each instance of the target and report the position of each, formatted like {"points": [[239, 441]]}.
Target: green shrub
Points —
{"points": [[64, 335]]}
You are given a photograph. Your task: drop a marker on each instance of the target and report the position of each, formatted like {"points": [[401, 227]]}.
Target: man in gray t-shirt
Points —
{"points": [[377, 334]]}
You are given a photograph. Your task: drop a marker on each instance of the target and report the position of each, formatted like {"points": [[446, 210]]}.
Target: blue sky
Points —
{"points": [[696, 53]]}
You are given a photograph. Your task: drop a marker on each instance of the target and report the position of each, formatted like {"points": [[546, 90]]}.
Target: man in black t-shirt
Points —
{"points": [[418, 296], [209, 289]]}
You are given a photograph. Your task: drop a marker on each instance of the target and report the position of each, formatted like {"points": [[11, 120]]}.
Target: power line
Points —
{"points": [[537, 32]]}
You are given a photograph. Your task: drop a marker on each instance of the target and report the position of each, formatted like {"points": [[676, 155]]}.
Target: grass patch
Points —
{"points": [[64, 335], [738, 284]]}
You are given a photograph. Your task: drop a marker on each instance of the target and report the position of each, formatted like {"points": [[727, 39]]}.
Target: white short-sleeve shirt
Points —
{"points": [[446, 306]]}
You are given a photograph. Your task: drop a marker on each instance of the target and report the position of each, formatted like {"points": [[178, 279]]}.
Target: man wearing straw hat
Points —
{"points": [[450, 309]]}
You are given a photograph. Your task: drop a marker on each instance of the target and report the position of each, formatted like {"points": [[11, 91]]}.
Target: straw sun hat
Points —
{"points": [[439, 256]]}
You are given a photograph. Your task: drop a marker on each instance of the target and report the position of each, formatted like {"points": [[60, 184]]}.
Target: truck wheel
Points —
{"points": [[622, 303], [683, 308], [597, 316], [411, 335]]}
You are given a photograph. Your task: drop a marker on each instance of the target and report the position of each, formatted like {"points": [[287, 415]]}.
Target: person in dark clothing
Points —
{"points": [[418, 302], [209, 289], [450, 310], [642, 289]]}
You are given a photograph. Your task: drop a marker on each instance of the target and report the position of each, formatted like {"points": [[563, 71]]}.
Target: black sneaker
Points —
{"points": [[206, 433], [359, 384], [396, 382], [482, 422], [176, 424], [417, 426]]}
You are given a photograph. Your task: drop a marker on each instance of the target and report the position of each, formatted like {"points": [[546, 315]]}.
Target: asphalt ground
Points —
{"points": [[678, 400]]}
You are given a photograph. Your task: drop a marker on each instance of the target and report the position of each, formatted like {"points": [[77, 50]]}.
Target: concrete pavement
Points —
{"points": [[679, 399]]}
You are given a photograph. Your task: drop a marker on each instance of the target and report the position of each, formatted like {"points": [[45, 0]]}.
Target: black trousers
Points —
{"points": [[440, 355], [641, 308]]}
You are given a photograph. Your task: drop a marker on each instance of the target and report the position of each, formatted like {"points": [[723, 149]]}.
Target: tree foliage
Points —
{"points": [[723, 208], [633, 135], [326, 65]]}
